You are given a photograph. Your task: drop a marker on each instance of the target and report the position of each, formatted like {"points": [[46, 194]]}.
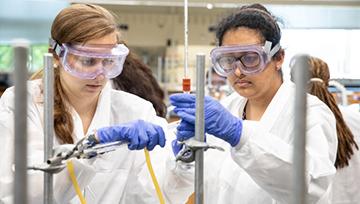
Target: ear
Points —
{"points": [[279, 59]]}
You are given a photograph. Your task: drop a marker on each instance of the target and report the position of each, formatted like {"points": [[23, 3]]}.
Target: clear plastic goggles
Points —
{"points": [[250, 59], [87, 62]]}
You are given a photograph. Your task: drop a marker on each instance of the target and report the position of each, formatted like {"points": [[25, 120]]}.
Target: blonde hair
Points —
{"points": [[77, 23], [346, 143]]}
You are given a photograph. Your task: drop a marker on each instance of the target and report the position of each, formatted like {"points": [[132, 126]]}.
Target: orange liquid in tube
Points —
{"points": [[186, 85]]}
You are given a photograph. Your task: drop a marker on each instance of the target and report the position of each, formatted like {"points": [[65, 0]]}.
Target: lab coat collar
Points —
{"points": [[278, 102], [101, 117], [102, 113]]}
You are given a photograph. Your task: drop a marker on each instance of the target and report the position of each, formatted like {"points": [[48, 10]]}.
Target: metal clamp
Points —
{"points": [[187, 153], [85, 148], [52, 169]]}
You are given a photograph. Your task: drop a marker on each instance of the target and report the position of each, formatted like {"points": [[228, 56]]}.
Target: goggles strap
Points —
{"points": [[52, 42], [275, 49], [56, 47], [267, 47]]}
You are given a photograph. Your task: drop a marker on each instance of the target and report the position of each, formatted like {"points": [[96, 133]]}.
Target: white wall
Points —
{"points": [[339, 48], [149, 26], [155, 29]]}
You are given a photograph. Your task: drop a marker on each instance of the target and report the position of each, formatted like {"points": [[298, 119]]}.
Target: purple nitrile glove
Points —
{"points": [[139, 134], [218, 121]]}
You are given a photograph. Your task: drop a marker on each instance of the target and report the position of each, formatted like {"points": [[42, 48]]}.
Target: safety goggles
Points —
{"points": [[250, 59], [87, 62]]}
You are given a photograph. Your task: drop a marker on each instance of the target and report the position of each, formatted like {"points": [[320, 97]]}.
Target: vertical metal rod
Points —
{"points": [[48, 124], [20, 121], [186, 44], [301, 78], [160, 69], [199, 128]]}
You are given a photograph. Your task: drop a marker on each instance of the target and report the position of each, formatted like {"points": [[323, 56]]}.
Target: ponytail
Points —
{"points": [[346, 142], [63, 123]]}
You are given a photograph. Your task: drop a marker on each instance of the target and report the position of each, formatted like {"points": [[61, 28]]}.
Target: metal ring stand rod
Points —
{"points": [[301, 78], [199, 128], [20, 122], [48, 124]]}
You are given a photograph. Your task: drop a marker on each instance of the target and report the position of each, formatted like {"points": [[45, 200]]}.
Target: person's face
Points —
{"points": [[84, 88], [217, 80], [257, 85]]}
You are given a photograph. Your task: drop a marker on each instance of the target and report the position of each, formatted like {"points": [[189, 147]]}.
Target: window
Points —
{"points": [[5, 58], [36, 53]]}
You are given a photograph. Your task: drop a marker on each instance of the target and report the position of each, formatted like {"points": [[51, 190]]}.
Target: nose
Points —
{"points": [[100, 77], [237, 71]]}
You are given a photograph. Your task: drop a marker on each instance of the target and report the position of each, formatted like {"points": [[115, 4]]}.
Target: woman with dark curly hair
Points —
{"points": [[256, 122]]}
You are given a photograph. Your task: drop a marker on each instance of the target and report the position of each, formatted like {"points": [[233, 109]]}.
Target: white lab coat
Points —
{"points": [[259, 168], [117, 177], [346, 188]]}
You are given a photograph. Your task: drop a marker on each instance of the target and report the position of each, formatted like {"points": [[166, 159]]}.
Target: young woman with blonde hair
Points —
{"points": [[87, 52]]}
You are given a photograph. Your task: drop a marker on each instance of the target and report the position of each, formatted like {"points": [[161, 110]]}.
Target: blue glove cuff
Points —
{"points": [[234, 139], [176, 147]]}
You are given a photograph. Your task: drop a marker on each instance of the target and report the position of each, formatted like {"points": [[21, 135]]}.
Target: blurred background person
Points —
{"points": [[138, 79], [4, 82], [216, 85], [346, 188]]}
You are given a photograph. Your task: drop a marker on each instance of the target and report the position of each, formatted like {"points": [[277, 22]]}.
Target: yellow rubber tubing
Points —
{"points": [[70, 168], [153, 177]]}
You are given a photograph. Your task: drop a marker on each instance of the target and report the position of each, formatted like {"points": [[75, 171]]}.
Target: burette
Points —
{"points": [[186, 83]]}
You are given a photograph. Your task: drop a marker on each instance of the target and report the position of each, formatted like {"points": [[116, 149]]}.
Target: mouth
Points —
{"points": [[93, 86], [242, 83]]}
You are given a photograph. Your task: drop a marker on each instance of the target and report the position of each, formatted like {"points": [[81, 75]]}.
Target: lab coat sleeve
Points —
{"points": [[6, 172], [268, 159], [63, 188], [178, 178], [140, 188], [175, 180]]}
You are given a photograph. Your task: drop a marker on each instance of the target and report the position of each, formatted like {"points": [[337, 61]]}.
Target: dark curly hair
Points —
{"points": [[254, 16], [257, 17]]}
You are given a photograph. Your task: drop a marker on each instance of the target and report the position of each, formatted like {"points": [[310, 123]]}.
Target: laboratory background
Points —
{"points": [[155, 32]]}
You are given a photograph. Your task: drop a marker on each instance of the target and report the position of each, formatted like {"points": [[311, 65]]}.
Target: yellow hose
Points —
{"points": [[70, 168], [153, 177]]}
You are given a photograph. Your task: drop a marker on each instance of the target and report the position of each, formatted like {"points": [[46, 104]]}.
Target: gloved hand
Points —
{"points": [[139, 134], [218, 121], [185, 130], [176, 147]]}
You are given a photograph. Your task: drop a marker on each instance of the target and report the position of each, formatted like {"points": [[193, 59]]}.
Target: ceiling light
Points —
{"points": [[209, 6]]}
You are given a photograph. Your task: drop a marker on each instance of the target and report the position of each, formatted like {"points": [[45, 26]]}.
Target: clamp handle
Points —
{"points": [[187, 154]]}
